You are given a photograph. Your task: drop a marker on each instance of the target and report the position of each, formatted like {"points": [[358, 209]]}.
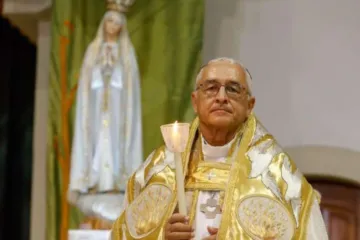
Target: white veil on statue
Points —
{"points": [[127, 154]]}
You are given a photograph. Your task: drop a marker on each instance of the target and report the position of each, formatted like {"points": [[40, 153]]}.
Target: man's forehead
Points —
{"points": [[223, 70]]}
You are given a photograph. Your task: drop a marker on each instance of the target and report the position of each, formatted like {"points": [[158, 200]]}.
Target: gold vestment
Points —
{"points": [[262, 192]]}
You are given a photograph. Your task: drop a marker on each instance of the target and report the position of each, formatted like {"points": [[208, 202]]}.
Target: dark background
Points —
{"points": [[17, 90]]}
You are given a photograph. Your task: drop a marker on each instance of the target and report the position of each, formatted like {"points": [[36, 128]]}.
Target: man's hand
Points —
{"points": [[178, 228], [213, 233]]}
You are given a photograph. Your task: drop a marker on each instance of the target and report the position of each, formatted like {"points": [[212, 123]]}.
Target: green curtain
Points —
{"points": [[167, 36]]}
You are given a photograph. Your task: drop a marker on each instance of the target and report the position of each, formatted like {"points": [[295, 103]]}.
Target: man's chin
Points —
{"points": [[220, 122]]}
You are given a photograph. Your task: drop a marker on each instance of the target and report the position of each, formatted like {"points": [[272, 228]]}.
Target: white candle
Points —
{"points": [[179, 171], [175, 136]]}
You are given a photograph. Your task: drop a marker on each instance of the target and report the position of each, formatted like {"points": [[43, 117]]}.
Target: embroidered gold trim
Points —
{"points": [[193, 206], [307, 198], [208, 176], [238, 172]]}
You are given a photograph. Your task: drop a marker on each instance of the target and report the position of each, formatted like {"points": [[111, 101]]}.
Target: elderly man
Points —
{"points": [[239, 183]]}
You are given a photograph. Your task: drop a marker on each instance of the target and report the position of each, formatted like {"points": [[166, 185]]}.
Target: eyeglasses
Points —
{"points": [[233, 90]]}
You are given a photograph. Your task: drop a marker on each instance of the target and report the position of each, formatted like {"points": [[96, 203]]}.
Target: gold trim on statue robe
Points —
{"points": [[265, 194]]}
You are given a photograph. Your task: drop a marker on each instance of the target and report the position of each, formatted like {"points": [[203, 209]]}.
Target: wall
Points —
{"points": [[304, 57], [25, 15], [38, 210]]}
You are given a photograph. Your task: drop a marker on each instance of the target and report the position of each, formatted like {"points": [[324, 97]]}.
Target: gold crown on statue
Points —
{"points": [[119, 5]]}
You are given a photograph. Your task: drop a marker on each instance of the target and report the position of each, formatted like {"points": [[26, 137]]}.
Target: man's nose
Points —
{"points": [[222, 96]]}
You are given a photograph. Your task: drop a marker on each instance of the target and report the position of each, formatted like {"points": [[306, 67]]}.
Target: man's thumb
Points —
{"points": [[212, 230]]}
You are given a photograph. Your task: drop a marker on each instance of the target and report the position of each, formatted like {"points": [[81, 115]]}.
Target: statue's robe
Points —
{"points": [[265, 195]]}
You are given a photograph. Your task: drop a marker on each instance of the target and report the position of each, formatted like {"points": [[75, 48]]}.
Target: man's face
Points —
{"points": [[228, 107]]}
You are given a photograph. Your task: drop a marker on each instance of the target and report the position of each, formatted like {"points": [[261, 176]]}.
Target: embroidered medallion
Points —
{"points": [[265, 218], [145, 213]]}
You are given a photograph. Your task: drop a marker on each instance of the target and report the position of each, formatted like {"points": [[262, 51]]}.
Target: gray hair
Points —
{"points": [[248, 77]]}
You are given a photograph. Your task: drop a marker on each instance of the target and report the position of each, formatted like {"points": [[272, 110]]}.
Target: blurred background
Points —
{"points": [[303, 56]]}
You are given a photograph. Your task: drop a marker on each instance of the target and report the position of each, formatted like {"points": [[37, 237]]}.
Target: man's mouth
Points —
{"points": [[221, 110]]}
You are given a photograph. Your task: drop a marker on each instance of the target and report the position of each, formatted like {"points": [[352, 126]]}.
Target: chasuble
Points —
{"points": [[259, 190]]}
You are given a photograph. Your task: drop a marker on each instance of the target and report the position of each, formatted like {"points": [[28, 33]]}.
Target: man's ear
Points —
{"points": [[251, 105], [194, 101]]}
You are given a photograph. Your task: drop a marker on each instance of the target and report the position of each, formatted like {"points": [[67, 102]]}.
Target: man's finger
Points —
{"points": [[180, 227], [181, 235], [177, 217]]}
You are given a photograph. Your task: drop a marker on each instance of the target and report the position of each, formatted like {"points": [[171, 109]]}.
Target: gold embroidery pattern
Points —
{"points": [[294, 183], [145, 213], [262, 217], [208, 176], [261, 156], [260, 132]]}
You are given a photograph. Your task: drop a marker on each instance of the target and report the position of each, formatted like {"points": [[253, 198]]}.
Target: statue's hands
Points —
{"points": [[178, 228], [213, 233]]}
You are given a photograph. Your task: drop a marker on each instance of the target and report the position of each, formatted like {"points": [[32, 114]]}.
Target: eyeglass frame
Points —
{"points": [[242, 88]]}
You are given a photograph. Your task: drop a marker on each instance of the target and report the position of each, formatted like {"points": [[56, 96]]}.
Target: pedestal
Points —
{"points": [[78, 234]]}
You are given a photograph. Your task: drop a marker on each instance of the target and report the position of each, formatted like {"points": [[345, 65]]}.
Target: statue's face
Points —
{"points": [[113, 24], [222, 99]]}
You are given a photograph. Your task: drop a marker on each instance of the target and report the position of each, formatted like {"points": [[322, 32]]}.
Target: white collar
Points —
{"points": [[215, 151]]}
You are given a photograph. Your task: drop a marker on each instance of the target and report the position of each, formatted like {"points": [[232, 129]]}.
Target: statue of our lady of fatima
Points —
{"points": [[107, 141]]}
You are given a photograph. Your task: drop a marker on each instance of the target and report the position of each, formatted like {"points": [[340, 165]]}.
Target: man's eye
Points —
{"points": [[211, 88], [232, 89]]}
